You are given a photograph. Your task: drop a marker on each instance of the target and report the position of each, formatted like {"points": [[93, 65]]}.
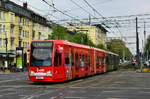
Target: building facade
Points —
{"points": [[18, 26], [96, 33]]}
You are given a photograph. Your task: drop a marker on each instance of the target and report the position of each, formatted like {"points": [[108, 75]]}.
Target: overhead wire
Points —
{"points": [[59, 10], [93, 4], [86, 11], [81, 7], [101, 15]]}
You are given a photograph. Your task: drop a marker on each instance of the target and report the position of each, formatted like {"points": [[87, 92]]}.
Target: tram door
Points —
{"points": [[68, 65], [58, 68], [76, 64]]}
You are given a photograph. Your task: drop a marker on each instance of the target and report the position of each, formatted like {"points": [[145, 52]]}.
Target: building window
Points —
{"points": [[1, 42], [12, 43], [20, 43], [20, 33], [27, 22], [28, 34], [33, 35], [1, 29], [12, 31], [21, 21], [49, 31], [4, 42], [12, 18], [27, 44], [2, 15], [40, 34]]}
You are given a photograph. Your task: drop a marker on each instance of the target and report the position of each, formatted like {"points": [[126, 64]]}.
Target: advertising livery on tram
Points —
{"points": [[58, 61]]}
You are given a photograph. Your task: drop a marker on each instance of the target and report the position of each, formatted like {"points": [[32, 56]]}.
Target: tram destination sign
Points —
{"points": [[42, 44]]}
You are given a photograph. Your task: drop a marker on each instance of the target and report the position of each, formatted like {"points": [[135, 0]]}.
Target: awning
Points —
{"points": [[9, 54]]}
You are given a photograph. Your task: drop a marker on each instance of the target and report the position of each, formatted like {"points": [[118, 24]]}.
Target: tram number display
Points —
{"points": [[42, 44]]}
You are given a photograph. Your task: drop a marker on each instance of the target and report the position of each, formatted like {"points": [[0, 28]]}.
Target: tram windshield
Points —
{"points": [[41, 54]]}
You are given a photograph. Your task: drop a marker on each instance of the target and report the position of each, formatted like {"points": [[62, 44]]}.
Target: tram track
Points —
{"points": [[61, 90], [83, 83]]}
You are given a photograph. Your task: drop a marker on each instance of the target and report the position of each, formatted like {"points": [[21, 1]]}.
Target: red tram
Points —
{"points": [[58, 60]]}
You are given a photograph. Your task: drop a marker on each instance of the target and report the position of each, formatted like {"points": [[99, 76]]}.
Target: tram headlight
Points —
{"points": [[32, 73], [49, 73]]}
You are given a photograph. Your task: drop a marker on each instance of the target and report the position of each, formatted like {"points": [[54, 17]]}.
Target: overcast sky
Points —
{"points": [[105, 7]]}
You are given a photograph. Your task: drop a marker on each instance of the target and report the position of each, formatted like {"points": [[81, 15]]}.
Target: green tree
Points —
{"points": [[101, 46], [119, 47], [81, 38], [58, 33], [147, 47]]}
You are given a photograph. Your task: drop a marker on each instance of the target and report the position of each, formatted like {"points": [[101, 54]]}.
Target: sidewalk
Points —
{"points": [[1, 72]]}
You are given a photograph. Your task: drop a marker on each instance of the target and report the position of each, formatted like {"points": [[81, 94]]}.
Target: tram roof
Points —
{"points": [[72, 44], [112, 53]]}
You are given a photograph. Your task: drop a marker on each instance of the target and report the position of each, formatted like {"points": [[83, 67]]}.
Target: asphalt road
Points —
{"points": [[121, 84]]}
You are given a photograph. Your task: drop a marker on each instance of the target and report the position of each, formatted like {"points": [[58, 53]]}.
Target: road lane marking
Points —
{"points": [[36, 94], [75, 97]]}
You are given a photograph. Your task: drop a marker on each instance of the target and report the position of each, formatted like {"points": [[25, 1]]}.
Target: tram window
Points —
{"points": [[111, 59], [88, 60], [107, 59], [114, 60], [76, 60], [57, 59], [67, 59], [104, 60], [100, 60], [72, 59], [81, 61], [97, 61]]}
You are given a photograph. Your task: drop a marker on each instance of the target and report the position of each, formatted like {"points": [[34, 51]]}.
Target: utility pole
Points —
{"points": [[146, 54], [144, 33], [6, 41], [89, 19], [137, 42]]}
